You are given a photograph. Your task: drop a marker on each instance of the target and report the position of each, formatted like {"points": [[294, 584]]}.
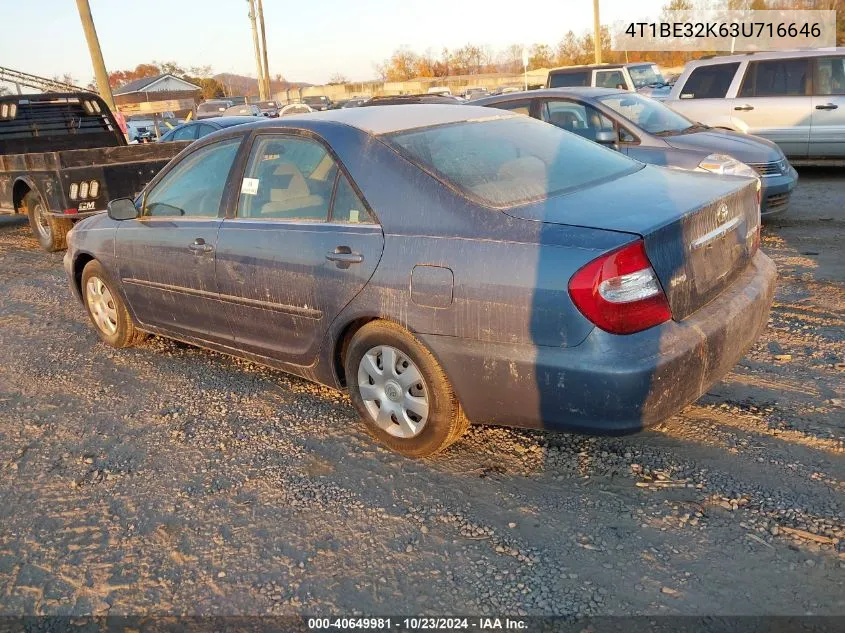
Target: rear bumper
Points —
{"points": [[610, 383], [776, 192]]}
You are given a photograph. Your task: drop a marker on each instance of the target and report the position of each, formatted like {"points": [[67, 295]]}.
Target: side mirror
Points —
{"points": [[122, 209], [607, 137]]}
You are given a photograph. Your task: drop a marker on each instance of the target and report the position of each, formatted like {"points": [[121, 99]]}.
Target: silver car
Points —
{"points": [[794, 98]]}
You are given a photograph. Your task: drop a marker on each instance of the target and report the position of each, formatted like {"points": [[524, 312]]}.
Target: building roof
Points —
{"points": [[146, 84]]}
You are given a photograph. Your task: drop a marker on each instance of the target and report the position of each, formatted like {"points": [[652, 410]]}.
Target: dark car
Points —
{"points": [[213, 108], [318, 102], [649, 131], [443, 264], [197, 129], [269, 108]]}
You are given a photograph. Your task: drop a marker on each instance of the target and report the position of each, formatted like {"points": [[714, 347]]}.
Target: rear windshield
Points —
{"points": [[212, 107], [568, 79], [509, 160]]}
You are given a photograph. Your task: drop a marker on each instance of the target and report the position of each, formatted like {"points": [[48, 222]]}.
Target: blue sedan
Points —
{"points": [[444, 264]]}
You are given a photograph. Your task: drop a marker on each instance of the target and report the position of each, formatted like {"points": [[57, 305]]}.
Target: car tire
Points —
{"points": [[50, 232], [389, 399], [106, 308]]}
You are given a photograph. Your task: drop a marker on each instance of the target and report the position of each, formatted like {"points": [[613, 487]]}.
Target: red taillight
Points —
{"points": [[619, 291], [71, 211]]}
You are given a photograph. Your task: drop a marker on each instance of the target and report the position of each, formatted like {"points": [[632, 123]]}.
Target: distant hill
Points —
{"points": [[241, 85]]}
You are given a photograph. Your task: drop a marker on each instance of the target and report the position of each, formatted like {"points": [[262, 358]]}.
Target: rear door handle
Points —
{"points": [[827, 106], [344, 255], [744, 108], [199, 246]]}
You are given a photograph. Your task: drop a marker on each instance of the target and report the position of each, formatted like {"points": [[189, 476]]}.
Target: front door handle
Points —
{"points": [[199, 246], [744, 108], [827, 106], [344, 255]]}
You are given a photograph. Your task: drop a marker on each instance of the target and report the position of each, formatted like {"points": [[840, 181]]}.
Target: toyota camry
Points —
{"points": [[444, 264]]}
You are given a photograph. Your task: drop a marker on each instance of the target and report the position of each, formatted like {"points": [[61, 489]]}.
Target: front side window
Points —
{"points": [[185, 133], [205, 130], [648, 114], [194, 187], [287, 178], [709, 82], [831, 76], [569, 79], [505, 162], [776, 78], [610, 79], [578, 118]]}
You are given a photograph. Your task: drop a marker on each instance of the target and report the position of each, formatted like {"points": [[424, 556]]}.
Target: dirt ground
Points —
{"points": [[168, 479]]}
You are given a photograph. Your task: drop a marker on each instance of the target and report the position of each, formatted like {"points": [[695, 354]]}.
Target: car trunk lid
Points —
{"points": [[699, 230]]}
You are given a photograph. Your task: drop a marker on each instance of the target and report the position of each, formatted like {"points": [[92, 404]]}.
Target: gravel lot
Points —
{"points": [[169, 479]]}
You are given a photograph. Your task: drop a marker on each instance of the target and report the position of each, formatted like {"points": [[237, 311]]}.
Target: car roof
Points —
{"points": [[575, 91], [228, 121], [722, 59], [394, 118]]}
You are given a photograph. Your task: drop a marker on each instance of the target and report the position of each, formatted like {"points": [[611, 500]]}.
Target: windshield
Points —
{"points": [[648, 114], [508, 161], [646, 75]]}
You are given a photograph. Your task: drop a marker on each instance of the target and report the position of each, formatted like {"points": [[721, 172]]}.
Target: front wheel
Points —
{"points": [[402, 394], [105, 307], [50, 232]]}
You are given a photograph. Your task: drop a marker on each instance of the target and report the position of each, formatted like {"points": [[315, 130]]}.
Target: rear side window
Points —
{"points": [[504, 162], [831, 76], [776, 78], [566, 80], [289, 179], [610, 79], [709, 82]]}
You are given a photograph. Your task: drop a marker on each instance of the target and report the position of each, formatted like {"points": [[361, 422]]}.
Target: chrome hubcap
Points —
{"points": [[101, 304], [393, 391], [42, 221]]}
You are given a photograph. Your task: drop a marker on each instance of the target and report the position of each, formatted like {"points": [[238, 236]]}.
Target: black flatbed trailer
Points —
{"points": [[63, 157]]}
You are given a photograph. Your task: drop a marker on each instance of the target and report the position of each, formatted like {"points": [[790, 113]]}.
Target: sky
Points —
{"points": [[307, 40]]}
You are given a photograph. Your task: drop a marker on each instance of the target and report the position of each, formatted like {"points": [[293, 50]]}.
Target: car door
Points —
{"points": [[300, 245], [827, 133], [774, 101], [166, 255]]}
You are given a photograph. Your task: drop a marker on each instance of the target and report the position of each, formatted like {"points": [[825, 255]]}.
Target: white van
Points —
{"points": [[794, 98]]}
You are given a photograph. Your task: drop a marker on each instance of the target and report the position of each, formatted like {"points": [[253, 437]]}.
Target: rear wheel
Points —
{"points": [[51, 232], [402, 394], [105, 307]]}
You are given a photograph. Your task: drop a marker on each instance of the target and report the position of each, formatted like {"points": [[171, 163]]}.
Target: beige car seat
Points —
{"points": [[288, 192]]}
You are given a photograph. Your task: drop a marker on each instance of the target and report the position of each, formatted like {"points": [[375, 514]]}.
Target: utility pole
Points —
{"points": [[596, 31], [264, 48], [261, 86], [96, 54]]}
